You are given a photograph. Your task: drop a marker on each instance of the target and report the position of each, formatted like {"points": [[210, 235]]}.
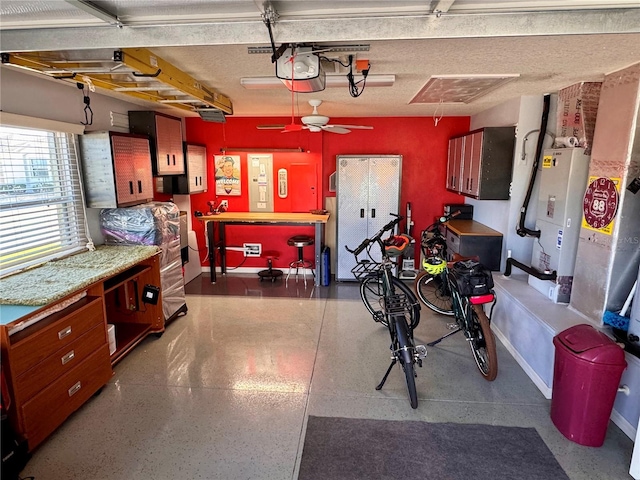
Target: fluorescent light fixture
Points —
{"points": [[264, 83], [260, 150], [459, 88]]}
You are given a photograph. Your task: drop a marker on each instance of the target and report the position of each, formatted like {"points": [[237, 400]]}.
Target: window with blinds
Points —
{"points": [[41, 202]]}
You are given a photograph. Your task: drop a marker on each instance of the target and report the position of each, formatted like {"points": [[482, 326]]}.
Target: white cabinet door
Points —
{"points": [[197, 168]]}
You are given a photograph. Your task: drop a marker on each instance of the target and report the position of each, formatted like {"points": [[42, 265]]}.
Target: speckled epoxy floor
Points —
{"points": [[226, 391]]}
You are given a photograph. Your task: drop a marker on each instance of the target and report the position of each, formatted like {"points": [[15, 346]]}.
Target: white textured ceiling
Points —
{"points": [[550, 44]]}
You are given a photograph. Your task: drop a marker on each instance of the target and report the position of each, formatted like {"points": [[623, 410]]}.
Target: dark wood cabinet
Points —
{"points": [[470, 238]]}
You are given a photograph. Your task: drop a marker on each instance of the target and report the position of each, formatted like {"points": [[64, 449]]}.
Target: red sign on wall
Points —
{"points": [[600, 203]]}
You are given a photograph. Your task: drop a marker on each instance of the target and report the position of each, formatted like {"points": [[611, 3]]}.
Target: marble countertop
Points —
{"points": [[56, 279]]}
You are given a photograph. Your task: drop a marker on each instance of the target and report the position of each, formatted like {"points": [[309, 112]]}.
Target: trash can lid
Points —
{"points": [[591, 345]]}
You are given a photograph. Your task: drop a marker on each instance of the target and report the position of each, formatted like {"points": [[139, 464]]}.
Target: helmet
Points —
{"points": [[434, 265], [394, 246]]}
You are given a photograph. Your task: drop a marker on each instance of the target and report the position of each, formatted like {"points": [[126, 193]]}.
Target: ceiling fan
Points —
{"points": [[314, 123]]}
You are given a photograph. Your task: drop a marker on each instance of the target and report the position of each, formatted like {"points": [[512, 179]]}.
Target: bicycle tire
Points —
{"points": [[431, 291], [483, 344], [405, 346], [372, 293]]}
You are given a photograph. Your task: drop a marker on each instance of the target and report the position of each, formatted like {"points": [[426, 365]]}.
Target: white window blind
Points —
{"points": [[41, 203]]}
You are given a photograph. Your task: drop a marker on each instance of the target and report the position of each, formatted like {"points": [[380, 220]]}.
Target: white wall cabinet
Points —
{"points": [[116, 169], [165, 133], [368, 190], [480, 163]]}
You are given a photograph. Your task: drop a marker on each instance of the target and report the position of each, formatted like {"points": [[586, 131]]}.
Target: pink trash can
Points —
{"points": [[587, 370]]}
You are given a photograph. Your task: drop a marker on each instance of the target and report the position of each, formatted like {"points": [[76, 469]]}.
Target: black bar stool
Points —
{"points": [[270, 273], [300, 241]]}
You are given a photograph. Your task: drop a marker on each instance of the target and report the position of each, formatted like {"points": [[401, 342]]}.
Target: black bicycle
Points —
{"points": [[431, 285], [390, 302], [460, 289]]}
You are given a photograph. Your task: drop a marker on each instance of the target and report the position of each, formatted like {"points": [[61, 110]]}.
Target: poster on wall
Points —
{"points": [[600, 204], [227, 174]]}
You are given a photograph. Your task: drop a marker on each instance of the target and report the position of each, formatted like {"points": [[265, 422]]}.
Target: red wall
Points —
{"points": [[422, 145]]}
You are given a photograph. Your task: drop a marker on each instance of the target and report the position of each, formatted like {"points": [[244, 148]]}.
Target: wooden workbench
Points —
{"points": [[259, 218]]}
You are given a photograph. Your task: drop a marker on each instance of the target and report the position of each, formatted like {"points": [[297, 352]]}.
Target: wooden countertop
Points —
{"points": [[266, 217], [471, 227]]}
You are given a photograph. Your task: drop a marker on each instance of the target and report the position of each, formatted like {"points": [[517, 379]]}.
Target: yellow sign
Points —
{"points": [[600, 204], [546, 161]]}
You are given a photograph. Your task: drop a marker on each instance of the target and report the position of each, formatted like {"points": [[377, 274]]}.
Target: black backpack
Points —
{"points": [[472, 278]]}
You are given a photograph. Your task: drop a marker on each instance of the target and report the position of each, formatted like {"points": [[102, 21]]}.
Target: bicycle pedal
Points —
{"points": [[452, 326], [421, 351]]}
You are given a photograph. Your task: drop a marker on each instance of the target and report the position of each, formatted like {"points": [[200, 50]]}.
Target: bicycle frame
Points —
{"points": [[396, 308]]}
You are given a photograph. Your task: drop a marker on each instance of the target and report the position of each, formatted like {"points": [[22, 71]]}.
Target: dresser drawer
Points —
{"points": [[62, 361], [47, 410], [61, 330]]}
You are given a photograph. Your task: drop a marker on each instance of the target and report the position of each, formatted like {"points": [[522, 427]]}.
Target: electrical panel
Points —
{"points": [[563, 180], [260, 182]]}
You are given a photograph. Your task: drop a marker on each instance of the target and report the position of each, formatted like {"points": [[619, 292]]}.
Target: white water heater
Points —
{"points": [[563, 181]]}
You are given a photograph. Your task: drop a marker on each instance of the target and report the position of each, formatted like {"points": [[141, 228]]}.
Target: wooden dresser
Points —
{"points": [[56, 356]]}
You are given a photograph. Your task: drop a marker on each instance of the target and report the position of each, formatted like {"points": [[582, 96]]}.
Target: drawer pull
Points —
{"points": [[68, 357], [65, 332], [73, 390]]}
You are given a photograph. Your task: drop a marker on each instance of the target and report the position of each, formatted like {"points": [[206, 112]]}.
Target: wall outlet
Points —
{"points": [[252, 249]]}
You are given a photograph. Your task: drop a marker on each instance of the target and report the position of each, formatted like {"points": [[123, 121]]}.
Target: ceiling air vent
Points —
{"points": [[212, 115], [459, 88]]}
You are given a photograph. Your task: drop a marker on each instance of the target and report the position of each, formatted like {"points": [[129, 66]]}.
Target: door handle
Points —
{"points": [[131, 188], [139, 186], [76, 387], [64, 332], [68, 357], [174, 159], [196, 181], [471, 184], [362, 213], [373, 213], [168, 159]]}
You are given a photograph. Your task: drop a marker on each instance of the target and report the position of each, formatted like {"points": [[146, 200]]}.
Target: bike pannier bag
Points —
{"points": [[472, 278]]}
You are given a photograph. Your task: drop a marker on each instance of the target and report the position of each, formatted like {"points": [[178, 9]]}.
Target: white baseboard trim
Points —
{"points": [[531, 373], [308, 271], [616, 418], [623, 424]]}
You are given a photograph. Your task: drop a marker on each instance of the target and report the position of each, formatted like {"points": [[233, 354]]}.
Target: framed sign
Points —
{"points": [[600, 204], [228, 170]]}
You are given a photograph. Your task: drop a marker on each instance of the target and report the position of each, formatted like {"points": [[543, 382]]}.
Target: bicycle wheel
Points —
{"points": [[483, 344], [405, 347], [434, 292], [372, 293]]}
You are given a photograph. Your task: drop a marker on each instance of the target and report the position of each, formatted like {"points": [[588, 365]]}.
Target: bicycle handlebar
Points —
{"points": [[368, 241], [443, 219]]}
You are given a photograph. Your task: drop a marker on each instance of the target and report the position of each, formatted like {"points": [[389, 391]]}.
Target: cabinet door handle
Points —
{"points": [[471, 184], [196, 181], [168, 159], [139, 186], [131, 188], [362, 213], [65, 332], [467, 184], [174, 159], [76, 387], [373, 213], [68, 357], [200, 181]]}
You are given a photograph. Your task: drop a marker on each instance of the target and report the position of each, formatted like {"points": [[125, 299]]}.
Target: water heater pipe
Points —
{"points": [[522, 230]]}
